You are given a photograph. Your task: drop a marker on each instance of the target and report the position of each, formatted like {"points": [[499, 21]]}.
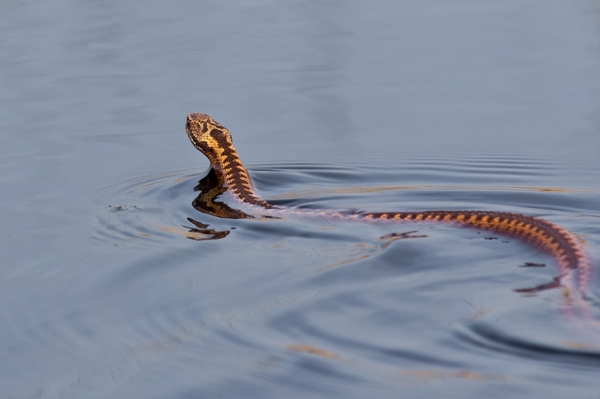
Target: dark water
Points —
{"points": [[108, 288]]}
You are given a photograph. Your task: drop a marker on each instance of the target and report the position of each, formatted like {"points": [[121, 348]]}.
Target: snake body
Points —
{"points": [[214, 141]]}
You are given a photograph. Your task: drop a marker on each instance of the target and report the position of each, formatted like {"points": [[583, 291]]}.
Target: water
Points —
{"points": [[113, 285]]}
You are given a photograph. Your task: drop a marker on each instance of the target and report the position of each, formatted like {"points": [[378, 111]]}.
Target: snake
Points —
{"points": [[215, 142]]}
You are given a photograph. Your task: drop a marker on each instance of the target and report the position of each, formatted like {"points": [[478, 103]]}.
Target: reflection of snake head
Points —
{"points": [[211, 187]]}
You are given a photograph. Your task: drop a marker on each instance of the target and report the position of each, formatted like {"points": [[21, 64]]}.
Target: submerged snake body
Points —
{"points": [[214, 141]]}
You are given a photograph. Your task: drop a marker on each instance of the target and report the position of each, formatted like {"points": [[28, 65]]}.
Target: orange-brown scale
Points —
{"points": [[542, 234]]}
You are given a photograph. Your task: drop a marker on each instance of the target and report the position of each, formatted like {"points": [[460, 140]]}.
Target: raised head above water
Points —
{"points": [[208, 135], [214, 141]]}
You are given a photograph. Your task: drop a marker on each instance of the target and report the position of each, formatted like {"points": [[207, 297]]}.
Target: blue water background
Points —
{"points": [[381, 105]]}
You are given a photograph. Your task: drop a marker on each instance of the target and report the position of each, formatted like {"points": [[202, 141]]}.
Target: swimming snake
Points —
{"points": [[214, 141]]}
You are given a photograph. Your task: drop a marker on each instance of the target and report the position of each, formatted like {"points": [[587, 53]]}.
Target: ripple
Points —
{"points": [[157, 207], [491, 338], [150, 209], [349, 300]]}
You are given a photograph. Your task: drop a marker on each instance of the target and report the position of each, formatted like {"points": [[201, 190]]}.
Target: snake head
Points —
{"points": [[200, 126], [208, 136]]}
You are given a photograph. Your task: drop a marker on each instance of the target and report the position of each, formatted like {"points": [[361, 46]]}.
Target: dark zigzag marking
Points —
{"points": [[537, 232]]}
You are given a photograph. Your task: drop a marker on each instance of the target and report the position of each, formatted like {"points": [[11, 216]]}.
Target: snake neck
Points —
{"points": [[214, 141], [211, 187], [235, 175]]}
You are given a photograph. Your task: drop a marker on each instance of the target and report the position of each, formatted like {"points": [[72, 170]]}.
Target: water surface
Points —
{"points": [[113, 285]]}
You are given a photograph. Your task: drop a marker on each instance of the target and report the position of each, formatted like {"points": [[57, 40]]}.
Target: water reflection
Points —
{"points": [[201, 232], [211, 187]]}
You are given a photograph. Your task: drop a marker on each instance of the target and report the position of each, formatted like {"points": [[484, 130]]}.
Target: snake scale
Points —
{"points": [[214, 141]]}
